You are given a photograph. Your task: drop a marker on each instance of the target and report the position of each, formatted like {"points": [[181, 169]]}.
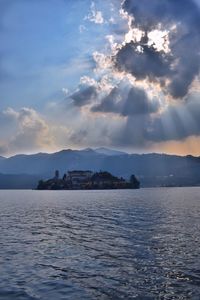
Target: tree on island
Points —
{"points": [[41, 185], [134, 182]]}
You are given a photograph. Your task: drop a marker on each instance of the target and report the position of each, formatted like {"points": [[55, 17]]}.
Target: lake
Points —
{"points": [[119, 244]]}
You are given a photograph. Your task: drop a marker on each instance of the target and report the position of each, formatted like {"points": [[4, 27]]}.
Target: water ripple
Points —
{"points": [[100, 244]]}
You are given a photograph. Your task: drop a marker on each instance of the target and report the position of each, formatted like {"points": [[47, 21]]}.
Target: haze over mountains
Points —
{"points": [[24, 171]]}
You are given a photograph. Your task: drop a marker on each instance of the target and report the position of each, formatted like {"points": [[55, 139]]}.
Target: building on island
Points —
{"points": [[78, 178], [87, 180]]}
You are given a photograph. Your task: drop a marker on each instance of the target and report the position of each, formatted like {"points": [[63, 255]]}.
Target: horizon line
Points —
{"points": [[95, 150]]}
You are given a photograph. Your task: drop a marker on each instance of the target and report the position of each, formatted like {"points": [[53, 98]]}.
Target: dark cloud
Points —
{"points": [[84, 96], [136, 102], [132, 133], [110, 103], [79, 137], [148, 13], [175, 123], [146, 120], [186, 52], [146, 64], [178, 68]]}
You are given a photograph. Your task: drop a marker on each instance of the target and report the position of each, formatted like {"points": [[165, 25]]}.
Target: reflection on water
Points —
{"points": [[129, 244]]}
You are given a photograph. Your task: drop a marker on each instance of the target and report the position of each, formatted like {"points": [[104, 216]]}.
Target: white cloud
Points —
{"points": [[32, 132], [134, 34], [159, 40], [86, 80], [82, 28], [95, 16], [103, 62], [65, 91]]}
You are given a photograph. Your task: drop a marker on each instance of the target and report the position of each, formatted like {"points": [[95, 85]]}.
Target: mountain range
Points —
{"points": [[24, 171]]}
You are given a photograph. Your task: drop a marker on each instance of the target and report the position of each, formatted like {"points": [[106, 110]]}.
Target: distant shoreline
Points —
{"points": [[141, 188]]}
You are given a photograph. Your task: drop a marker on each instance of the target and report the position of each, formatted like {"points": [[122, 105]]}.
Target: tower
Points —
{"points": [[56, 174]]}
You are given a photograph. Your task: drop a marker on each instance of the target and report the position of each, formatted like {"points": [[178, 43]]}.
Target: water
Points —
{"points": [[131, 244]]}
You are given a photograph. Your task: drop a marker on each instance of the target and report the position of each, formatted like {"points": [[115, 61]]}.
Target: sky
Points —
{"points": [[122, 74]]}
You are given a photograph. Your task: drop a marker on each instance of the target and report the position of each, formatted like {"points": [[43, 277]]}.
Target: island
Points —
{"points": [[87, 180]]}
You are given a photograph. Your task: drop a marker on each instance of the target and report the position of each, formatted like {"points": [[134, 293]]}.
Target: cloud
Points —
{"points": [[31, 131], [176, 123], [142, 64], [137, 103], [82, 28], [84, 95], [132, 132], [7, 116], [95, 16], [109, 103], [127, 103], [138, 76], [3, 149], [65, 91], [167, 58], [148, 14]]}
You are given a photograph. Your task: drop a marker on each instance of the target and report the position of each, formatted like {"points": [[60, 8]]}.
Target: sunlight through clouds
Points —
{"points": [[122, 74]]}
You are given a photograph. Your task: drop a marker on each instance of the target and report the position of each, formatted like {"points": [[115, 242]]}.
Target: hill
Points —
{"points": [[151, 169]]}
